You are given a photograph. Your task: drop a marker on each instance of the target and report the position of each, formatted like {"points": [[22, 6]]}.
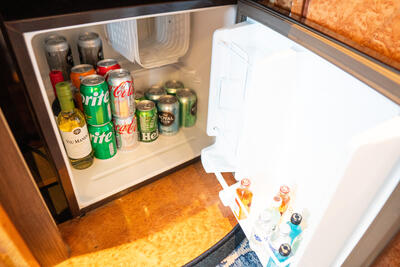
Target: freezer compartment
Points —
{"points": [[305, 122], [107, 177]]}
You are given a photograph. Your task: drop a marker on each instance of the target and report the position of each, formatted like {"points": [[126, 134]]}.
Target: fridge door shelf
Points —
{"points": [[228, 198]]}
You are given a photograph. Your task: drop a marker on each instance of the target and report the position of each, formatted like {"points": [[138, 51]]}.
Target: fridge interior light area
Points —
{"points": [[107, 177], [268, 109]]}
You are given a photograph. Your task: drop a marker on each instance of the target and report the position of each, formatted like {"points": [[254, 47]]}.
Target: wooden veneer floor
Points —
{"points": [[166, 223]]}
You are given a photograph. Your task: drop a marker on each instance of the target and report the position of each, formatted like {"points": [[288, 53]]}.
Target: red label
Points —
{"points": [[126, 128], [123, 89]]}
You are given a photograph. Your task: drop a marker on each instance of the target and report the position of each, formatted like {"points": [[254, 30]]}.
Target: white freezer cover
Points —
{"points": [[282, 114]]}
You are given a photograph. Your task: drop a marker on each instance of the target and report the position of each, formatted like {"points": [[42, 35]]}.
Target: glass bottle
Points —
{"points": [[72, 125], [284, 191], [281, 255], [295, 227], [245, 195], [280, 237]]}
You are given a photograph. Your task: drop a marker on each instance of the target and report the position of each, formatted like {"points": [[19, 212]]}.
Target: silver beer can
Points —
{"points": [[168, 115], [90, 48], [120, 84], [58, 54], [126, 132], [154, 93], [172, 86]]}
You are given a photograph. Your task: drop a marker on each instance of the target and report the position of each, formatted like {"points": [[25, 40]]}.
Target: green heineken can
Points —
{"points": [[95, 99], [146, 113], [172, 86], [103, 142], [187, 106]]}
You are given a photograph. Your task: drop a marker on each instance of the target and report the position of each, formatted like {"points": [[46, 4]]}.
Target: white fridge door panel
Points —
{"points": [[283, 115]]}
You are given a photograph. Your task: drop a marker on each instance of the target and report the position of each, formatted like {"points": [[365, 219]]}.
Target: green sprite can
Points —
{"points": [[187, 106], [103, 141], [146, 113], [172, 86], [95, 99]]}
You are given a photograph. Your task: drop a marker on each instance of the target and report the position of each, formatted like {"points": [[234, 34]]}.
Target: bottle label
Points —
{"points": [[77, 142]]}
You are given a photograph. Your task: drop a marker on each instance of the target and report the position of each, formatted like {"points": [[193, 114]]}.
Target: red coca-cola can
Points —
{"points": [[105, 65], [126, 133], [120, 85], [56, 76]]}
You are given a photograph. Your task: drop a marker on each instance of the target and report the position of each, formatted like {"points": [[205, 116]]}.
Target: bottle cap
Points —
{"points": [[245, 182], [284, 189], [296, 218], [276, 201], [285, 249], [64, 95]]}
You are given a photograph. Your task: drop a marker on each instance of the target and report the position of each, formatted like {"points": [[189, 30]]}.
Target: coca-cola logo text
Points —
{"points": [[126, 128], [123, 89]]}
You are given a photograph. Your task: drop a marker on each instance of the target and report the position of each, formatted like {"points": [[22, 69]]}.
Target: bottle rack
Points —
{"points": [[227, 196]]}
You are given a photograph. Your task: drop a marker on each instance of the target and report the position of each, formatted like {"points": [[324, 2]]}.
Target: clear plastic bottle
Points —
{"points": [[284, 192], [266, 223], [280, 237], [245, 195]]}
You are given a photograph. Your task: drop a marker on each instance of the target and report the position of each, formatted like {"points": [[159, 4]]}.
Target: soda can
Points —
{"points": [[172, 86], [105, 65], [103, 142], [126, 132], [188, 106], [168, 115], [139, 96], [58, 54], [154, 93], [120, 85], [146, 113], [95, 99], [77, 72], [90, 48]]}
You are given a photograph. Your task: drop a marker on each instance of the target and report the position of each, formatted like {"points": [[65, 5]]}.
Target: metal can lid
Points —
{"points": [[155, 90], [167, 99], [285, 249], [296, 218], [139, 94], [107, 62], [92, 80], [174, 84], [119, 73], [284, 189], [185, 92], [81, 68], [245, 182], [89, 39], [56, 42], [145, 105]]}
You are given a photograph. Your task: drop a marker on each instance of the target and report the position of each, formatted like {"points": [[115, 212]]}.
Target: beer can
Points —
{"points": [[103, 141], [90, 48], [154, 93], [139, 96], [105, 65], [58, 54], [77, 72], [188, 106], [146, 113], [172, 86], [95, 99], [168, 115], [126, 132], [56, 76], [120, 85]]}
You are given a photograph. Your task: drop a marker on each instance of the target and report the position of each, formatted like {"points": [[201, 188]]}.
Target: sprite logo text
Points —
{"points": [[98, 139], [96, 99]]}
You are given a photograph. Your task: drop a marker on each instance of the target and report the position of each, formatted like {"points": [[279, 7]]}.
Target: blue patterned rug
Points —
{"points": [[241, 256]]}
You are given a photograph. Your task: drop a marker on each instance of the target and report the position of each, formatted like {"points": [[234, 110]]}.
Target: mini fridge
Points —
{"points": [[278, 102]]}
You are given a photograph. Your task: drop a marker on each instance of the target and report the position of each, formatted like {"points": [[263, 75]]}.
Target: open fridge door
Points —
{"points": [[282, 115]]}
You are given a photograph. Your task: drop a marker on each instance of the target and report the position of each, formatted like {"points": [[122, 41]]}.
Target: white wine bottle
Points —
{"points": [[72, 125]]}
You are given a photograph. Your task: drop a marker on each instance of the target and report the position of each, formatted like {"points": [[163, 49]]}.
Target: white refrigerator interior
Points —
{"points": [[283, 115]]}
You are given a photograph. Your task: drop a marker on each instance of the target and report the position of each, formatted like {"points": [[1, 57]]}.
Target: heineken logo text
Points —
{"points": [[98, 138], [149, 136], [96, 99]]}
